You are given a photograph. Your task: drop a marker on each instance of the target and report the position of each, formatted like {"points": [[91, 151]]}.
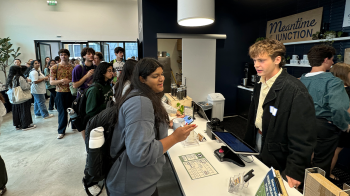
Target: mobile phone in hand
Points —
{"points": [[188, 120]]}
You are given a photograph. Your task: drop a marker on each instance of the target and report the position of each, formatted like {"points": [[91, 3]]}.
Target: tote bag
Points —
{"points": [[17, 95], [20, 95]]}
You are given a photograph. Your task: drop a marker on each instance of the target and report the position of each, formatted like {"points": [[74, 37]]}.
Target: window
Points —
{"points": [[131, 50], [107, 49], [111, 47], [96, 46], [74, 49]]}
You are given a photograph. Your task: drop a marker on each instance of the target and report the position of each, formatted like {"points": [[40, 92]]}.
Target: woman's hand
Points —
{"points": [[179, 115], [181, 133], [171, 123]]}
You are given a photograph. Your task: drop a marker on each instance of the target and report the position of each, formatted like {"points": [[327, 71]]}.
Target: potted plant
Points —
{"points": [[339, 58], [339, 33], [288, 59], [259, 39], [315, 35], [6, 52], [181, 108], [330, 34]]}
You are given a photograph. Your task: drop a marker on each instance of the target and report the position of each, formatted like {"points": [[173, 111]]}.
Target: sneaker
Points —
{"points": [[60, 136], [18, 128], [49, 116], [52, 110], [37, 116], [94, 190], [2, 191], [29, 127]]}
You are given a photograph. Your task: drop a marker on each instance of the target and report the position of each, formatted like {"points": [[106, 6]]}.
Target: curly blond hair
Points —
{"points": [[272, 47]]}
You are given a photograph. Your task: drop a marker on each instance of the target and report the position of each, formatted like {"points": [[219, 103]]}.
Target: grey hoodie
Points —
{"points": [[140, 166]]}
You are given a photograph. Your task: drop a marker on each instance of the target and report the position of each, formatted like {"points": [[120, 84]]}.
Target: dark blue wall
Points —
{"points": [[333, 13], [232, 53]]}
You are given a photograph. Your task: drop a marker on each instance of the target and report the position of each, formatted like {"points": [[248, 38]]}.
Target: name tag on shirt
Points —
{"points": [[273, 110]]}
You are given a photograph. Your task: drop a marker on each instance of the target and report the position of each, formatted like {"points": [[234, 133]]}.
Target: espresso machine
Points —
{"points": [[250, 75]]}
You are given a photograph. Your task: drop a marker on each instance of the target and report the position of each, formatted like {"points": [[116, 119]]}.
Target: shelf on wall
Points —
{"points": [[296, 65], [318, 40]]}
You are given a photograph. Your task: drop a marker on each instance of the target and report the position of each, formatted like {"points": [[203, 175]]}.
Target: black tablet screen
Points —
{"points": [[233, 142]]}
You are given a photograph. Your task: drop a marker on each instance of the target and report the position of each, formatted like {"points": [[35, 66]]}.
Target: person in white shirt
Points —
{"points": [[38, 89], [118, 63]]}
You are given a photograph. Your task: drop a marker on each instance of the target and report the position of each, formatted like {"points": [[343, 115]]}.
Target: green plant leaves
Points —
{"points": [[6, 51]]}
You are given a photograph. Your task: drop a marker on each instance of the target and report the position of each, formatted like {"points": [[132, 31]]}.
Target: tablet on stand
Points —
{"points": [[234, 146]]}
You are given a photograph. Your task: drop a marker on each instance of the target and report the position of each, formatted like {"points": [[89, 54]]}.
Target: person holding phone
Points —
{"points": [[141, 134]]}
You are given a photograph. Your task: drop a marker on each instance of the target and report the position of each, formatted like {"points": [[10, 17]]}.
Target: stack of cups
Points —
{"points": [[305, 60], [294, 60]]}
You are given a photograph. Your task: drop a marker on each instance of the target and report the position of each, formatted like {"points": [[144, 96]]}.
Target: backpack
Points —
{"points": [[77, 112], [99, 160]]}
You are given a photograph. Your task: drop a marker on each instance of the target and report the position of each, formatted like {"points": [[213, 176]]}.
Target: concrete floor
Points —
{"points": [[38, 164]]}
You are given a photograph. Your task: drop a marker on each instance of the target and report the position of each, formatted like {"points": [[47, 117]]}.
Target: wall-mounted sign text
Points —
{"points": [[297, 27]]}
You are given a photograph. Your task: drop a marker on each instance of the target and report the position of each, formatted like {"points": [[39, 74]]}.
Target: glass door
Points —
{"points": [[44, 50]]}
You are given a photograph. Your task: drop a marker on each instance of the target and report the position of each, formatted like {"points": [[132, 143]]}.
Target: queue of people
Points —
{"points": [[294, 123]]}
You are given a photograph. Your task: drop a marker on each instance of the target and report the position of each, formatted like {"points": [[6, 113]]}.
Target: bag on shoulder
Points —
{"points": [[99, 160], [73, 90], [16, 94], [77, 116]]}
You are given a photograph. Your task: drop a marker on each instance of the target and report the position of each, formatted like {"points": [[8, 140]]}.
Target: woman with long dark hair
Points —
{"points": [[141, 134], [38, 90], [100, 92], [47, 59], [49, 87], [124, 84], [22, 117], [124, 79]]}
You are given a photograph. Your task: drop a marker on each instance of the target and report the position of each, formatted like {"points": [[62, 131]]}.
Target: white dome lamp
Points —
{"points": [[194, 13]]}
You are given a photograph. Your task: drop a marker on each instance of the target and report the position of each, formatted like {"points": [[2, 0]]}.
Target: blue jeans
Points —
{"points": [[63, 101], [39, 105]]}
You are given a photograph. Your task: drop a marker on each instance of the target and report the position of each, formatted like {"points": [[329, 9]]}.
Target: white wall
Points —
{"points": [[96, 20], [198, 66], [170, 45]]}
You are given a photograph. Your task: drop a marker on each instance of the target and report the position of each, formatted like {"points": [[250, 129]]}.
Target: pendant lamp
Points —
{"points": [[194, 13]]}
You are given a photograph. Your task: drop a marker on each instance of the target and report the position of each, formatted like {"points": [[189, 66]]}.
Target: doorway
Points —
{"points": [[170, 56], [46, 49]]}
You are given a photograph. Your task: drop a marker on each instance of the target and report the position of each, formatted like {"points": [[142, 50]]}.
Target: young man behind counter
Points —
{"points": [[281, 116]]}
